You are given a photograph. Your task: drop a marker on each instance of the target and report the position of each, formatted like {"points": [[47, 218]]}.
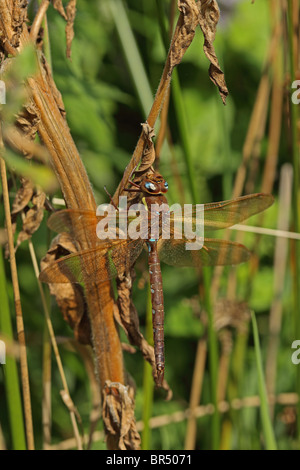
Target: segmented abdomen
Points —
{"points": [[157, 308]]}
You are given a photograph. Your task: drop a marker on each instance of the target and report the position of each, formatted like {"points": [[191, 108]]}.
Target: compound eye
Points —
{"points": [[166, 185], [150, 186]]}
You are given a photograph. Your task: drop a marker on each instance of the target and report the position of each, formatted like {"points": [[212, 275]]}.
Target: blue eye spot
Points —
{"points": [[166, 185], [150, 186]]}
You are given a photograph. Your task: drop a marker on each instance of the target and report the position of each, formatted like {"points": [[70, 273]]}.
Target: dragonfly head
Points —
{"points": [[154, 184]]}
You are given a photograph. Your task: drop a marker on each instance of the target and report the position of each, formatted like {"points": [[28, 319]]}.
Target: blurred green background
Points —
{"points": [[107, 88]]}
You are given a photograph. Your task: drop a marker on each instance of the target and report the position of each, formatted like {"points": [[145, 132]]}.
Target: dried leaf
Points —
{"points": [[148, 157], [23, 196], [118, 417], [69, 297], [28, 120], [60, 8], [209, 15], [33, 217], [186, 26], [71, 13], [14, 21]]}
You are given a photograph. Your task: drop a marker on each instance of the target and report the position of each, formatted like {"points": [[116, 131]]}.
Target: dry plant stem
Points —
{"points": [[296, 29], [77, 191], [19, 315], [54, 344], [283, 399], [258, 113], [225, 337], [195, 397], [280, 263], [46, 402], [252, 141], [275, 126], [153, 115], [38, 20]]}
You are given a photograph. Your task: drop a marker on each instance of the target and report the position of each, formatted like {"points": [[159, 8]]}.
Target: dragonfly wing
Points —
{"points": [[67, 219], [214, 252], [98, 264], [82, 223], [220, 215]]}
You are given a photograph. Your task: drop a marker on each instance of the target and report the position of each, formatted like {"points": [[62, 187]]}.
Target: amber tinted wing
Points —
{"points": [[219, 215], [214, 252], [98, 264], [77, 222]]}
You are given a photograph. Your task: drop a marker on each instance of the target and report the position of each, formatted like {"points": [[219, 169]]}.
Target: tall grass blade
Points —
{"points": [[132, 55], [147, 381], [264, 407], [10, 372]]}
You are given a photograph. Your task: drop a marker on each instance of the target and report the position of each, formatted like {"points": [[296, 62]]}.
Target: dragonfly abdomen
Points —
{"points": [[157, 300]]}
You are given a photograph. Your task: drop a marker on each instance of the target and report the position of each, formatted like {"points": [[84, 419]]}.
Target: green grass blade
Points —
{"points": [[264, 407], [132, 55], [147, 381], [11, 379]]}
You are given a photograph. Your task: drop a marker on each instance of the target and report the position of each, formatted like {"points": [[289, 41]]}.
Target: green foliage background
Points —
{"points": [[104, 112]]}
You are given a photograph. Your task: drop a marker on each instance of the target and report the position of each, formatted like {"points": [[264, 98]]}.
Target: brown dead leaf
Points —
{"points": [[23, 196], [57, 4], [69, 15], [33, 217], [209, 15], [69, 297], [12, 18], [118, 417], [186, 27], [148, 157], [28, 120], [206, 13]]}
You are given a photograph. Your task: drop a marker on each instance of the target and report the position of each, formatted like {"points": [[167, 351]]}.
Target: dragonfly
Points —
{"points": [[117, 255]]}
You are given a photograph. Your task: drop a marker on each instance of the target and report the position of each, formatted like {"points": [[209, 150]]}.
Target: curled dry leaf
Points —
{"points": [[118, 417], [28, 120], [148, 157], [69, 15], [33, 217], [23, 196], [209, 15], [13, 15], [60, 8], [69, 297], [185, 31], [206, 13]]}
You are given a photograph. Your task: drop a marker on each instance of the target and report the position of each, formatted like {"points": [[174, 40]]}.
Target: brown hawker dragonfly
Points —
{"points": [[117, 255]]}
